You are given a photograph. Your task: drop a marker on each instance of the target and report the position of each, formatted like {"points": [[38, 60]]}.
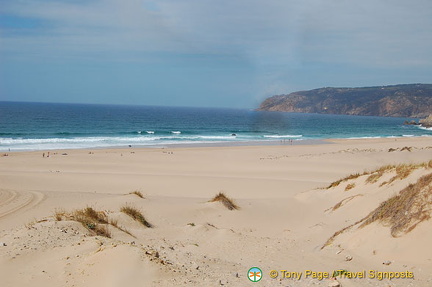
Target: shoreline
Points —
{"points": [[287, 142], [286, 214]]}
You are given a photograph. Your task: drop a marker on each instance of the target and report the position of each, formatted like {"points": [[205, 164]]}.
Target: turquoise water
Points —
{"points": [[40, 126]]}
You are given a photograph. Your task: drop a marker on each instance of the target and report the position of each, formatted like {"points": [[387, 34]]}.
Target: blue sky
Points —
{"points": [[210, 53]]}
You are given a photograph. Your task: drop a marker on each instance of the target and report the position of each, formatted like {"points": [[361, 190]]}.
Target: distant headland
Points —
{"points": [[409, 100]]}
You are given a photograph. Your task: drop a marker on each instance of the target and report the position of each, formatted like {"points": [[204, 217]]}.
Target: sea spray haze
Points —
{"points": [[40, 126]]}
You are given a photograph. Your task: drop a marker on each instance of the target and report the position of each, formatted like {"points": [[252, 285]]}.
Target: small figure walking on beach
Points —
{"points": [[43, 155], [48, 154]]}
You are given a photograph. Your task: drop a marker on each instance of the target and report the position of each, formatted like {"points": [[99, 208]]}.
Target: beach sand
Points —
{"points": [[285, 216]]}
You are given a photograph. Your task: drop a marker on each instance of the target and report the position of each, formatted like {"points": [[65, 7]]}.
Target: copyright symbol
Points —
{"points": [[273, 274]]}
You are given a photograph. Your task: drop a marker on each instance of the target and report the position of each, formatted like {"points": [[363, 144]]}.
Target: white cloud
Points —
{"points": [[288, 43], [272, 32]]}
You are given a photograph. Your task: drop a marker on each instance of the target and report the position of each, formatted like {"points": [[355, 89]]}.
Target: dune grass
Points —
{"points": [[374, 176], [59, 214], [333, 237], [349, 177], [403, 212], [344, 201], [137, 193], [227, 202], [116, 225], [97, 222], [350, 186], [94, 221], [135, 214], [402, 171]]}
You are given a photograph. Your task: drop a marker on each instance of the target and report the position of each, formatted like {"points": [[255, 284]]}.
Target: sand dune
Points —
{"points": [[286, 215]]}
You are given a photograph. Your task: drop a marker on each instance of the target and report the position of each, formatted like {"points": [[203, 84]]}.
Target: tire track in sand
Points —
{"points": [[12, 201]]}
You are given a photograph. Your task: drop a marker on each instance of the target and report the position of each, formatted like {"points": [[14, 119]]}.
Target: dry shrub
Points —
{"points": [[135, 214], [227, 202]]}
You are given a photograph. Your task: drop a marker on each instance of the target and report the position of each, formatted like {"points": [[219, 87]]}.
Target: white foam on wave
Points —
{"points": [[358, 138], [21, 144], [425, 128], [176, 132], [10, 141], [282, 136], [150, 132], [72, 143], [215, 137]]}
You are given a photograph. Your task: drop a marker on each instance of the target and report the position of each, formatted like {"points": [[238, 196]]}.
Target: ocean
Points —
{"points": [[47, 126]]}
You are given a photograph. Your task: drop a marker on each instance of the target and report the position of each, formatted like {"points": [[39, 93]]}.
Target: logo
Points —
{"points": [[255, 274]]}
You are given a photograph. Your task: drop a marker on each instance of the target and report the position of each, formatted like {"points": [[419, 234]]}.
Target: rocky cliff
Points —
{"points": [[412, 100], [427, 122]]}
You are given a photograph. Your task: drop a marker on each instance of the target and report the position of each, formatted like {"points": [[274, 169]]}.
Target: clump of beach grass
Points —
{"points": [[59, 214], [137, 193], [92, 220], [135, 214], [350, 186], [226, 201], [90, 213]]}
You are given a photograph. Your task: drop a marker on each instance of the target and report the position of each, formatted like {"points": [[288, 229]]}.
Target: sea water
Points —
{"points": [[46, 126]]}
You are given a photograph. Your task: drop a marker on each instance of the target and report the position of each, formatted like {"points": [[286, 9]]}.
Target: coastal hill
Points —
{"points": [[411, 100]]}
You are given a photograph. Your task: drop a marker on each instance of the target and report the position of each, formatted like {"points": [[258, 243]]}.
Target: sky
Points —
{"points": [[207, 53]]}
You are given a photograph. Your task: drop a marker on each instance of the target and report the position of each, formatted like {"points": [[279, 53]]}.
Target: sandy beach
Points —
{"points": [[287, 214]]}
